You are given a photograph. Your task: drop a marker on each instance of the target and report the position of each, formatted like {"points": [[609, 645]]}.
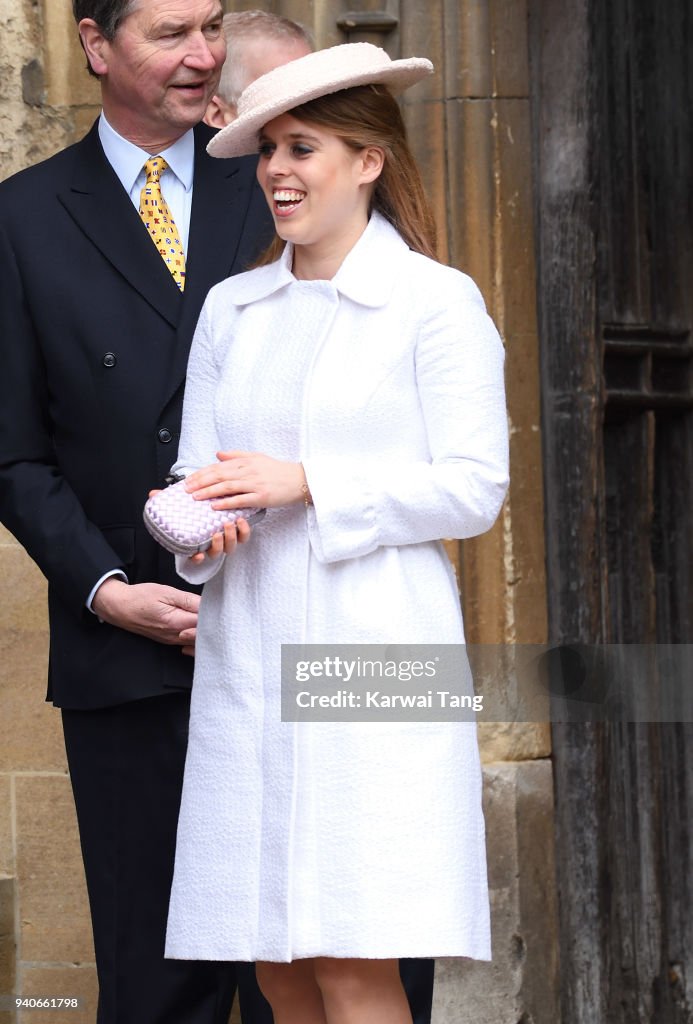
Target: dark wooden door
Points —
{"points": [[613, 106]]}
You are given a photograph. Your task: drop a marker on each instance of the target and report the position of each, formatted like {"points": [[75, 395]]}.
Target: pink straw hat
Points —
{"points": [[304, 79]]}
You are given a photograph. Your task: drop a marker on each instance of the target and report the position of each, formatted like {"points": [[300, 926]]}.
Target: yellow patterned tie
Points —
{"points": [[158, 221]]}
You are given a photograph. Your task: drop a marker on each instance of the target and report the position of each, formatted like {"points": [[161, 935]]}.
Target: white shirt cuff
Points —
{"points": [[92, 593]]}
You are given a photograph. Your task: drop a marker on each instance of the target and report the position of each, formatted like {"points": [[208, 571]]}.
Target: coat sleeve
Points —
{"points": [[362, 503], [37, 503], [199, 440]]}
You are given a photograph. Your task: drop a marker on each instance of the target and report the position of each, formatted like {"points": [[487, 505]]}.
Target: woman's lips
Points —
{"points": [[286, 200]]}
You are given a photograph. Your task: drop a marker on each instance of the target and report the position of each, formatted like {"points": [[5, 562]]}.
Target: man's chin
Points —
{"points": [[189, 105], [187, 116]]}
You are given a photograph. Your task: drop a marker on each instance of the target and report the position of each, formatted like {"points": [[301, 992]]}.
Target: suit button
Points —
{"points": [[165, 435], [109, 359]]}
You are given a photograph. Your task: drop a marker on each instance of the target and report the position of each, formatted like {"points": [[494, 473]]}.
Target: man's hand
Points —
{"points": [[161, 613], [187, 638]]}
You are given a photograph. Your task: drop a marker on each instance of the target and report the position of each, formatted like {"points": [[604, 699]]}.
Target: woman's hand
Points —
{"points": [[225, 541], [248, 480]]}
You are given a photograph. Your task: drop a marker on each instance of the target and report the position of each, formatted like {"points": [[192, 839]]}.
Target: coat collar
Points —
{"points": [[101, 207], [103, 210], [367, 276], [98, 203], [215, 233], [213, 242]]}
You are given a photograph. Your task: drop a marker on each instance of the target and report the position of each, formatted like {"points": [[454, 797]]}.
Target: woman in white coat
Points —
{"points": [[353, 386]]}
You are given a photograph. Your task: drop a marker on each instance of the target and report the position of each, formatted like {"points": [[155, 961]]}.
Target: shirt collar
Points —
{"points": [[367, 276], [127, 160]]}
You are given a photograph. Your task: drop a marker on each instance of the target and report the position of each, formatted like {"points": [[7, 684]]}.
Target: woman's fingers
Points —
{"points": [[223, 489], [225, 541], [235, 533], [248, 480], [219, 474], [225, 456], [243, 531], [248, 499]]}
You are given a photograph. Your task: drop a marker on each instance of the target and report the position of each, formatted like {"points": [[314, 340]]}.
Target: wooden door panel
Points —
{"points": [[615, 224]]}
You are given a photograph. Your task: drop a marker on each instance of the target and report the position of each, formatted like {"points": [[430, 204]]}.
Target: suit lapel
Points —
{"points": [[216, 227], [101, 207]]}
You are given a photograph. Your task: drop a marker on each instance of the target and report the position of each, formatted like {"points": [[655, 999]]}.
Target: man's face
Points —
{"points": [[161, 69]]}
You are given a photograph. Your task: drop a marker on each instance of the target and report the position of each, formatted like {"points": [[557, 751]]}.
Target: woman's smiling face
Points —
{"points": [[317, 187]]}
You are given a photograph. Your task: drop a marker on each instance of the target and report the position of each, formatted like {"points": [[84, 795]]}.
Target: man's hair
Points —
{"points": [[368, 115], [107, 14], [242, 25]]}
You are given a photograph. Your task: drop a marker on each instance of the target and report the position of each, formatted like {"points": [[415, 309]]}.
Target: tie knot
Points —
{"points": [[154, 168]]}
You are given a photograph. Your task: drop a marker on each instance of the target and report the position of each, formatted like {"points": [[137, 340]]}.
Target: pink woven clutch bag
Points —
{"points": [[184, 526]]}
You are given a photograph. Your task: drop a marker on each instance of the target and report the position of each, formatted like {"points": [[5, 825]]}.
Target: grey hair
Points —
{"points": [[241, 25]]}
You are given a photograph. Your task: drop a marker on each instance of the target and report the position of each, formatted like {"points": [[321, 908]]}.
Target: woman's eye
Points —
{"points": [[300, 150], [266, 149]]}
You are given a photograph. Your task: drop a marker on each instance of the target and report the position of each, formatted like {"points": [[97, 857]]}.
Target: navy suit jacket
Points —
{"points": [[94, 337]]}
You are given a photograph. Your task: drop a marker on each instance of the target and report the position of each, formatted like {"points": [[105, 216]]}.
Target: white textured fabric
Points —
{"points": [[338, 839]]}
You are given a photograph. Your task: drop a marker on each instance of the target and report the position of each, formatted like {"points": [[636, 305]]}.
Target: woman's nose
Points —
{"points": [[276, 165]]}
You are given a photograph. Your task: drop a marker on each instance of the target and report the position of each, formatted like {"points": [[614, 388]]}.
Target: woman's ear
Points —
{"points": [[372, 160], [94, 44]]}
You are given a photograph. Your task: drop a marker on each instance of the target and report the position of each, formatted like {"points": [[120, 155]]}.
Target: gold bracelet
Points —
{"points": [[305, 489]]}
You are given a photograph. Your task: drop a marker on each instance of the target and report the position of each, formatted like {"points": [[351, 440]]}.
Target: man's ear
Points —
{"points": [[219, 113], [95, 45], [372, 160]]}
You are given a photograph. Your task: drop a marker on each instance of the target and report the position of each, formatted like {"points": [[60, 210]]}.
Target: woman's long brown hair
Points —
{"points": [[368, 115]]}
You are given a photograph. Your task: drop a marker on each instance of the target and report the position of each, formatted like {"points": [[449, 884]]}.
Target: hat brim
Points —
{"points": [[305, 79]]}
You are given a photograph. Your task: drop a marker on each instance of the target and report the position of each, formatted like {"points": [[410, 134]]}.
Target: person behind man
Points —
{"points": [[107, 251], [257, 42]]}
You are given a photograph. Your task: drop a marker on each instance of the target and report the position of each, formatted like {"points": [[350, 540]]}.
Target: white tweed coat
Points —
{"points": [[338, 839]]}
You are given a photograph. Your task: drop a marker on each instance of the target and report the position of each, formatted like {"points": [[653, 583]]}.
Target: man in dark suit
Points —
{"points": [[94, 333]]}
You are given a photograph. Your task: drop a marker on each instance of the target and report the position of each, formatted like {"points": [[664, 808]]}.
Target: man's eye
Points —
{"points": [[213, 31]]}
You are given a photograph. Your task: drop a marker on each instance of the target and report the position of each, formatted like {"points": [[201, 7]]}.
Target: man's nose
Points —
{"points": [[201, 55]]}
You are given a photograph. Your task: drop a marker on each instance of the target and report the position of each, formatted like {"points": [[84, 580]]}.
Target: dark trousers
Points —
{"points": [[126, 766], [417, 978]]}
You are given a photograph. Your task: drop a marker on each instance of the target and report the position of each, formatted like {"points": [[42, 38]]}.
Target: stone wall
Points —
{"points": [[471, 131], [46, 102], [45, 939], [470, 128]]}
